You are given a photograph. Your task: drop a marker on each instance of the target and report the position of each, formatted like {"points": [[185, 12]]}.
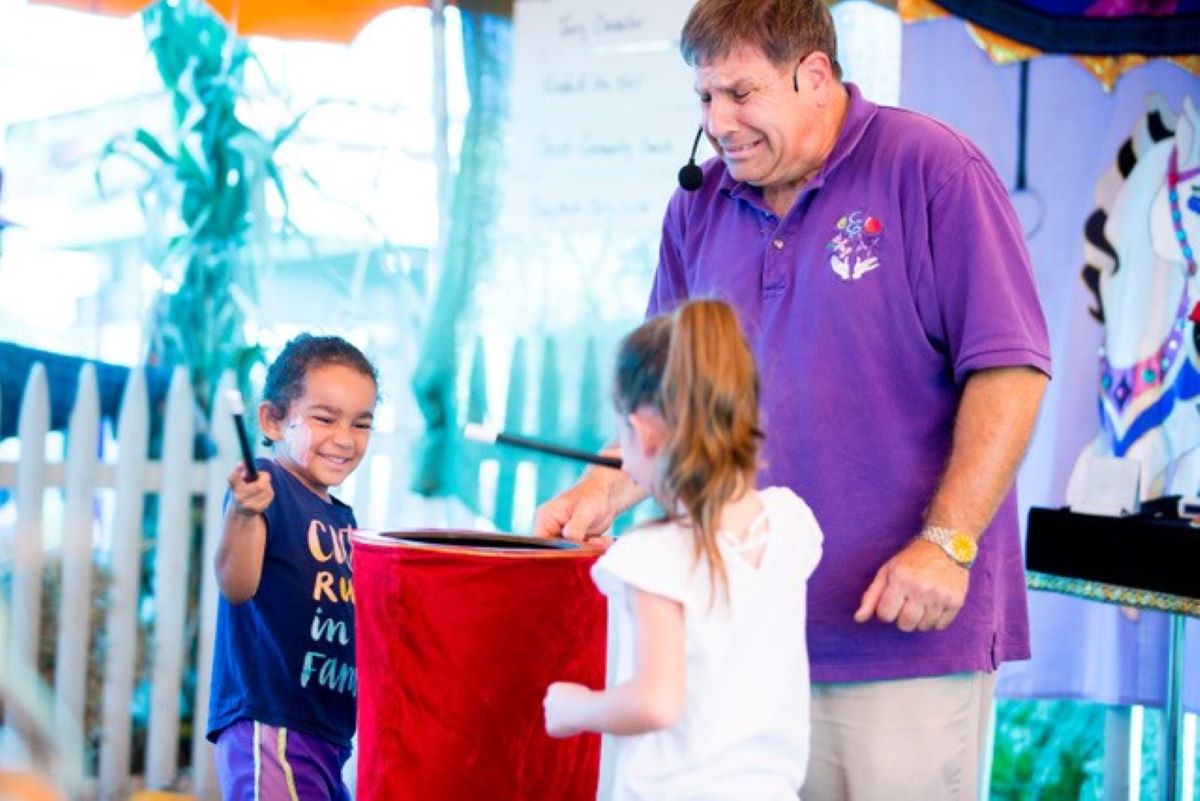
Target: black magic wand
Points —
{"points": [[234, 399], [490, 436]]}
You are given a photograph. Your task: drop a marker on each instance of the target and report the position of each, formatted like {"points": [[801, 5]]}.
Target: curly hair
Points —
{"points": [[302, 354]]}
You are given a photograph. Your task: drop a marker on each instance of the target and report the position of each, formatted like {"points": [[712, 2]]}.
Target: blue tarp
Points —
{"points": [[62, 374]]}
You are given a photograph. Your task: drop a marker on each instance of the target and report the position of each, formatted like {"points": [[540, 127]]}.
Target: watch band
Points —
{"points": [[957, 544]]}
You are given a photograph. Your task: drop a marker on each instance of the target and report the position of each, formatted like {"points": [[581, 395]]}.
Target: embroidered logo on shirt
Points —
{"points": [[852, 249]]}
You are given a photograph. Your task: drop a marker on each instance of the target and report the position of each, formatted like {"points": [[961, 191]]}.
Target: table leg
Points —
{"points": [[1173, 709]]}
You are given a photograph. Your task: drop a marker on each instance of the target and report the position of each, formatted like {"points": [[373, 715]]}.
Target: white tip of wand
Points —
{"points": [[477, 432], [233, 399]]}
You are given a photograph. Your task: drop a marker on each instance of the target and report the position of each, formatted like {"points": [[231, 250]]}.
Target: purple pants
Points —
{"points": [[257, 762]]}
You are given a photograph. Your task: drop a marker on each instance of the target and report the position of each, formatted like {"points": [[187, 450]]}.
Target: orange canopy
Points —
{"points": [[287, 19]]}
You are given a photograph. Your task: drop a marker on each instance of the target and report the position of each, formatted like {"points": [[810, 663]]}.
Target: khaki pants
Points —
{"points": [[908, 740]]}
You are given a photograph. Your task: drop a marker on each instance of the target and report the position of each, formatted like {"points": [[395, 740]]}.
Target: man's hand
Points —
{"points": [[918, 589], [581, 513]]}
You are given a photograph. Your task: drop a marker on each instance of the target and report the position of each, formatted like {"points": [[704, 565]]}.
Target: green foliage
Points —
{"points": [[1047, 751], [204, 198], [210, 179], [1152, 748]]}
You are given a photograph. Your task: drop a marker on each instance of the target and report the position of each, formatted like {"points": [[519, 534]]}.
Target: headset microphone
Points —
{"points": [[690, 176]]}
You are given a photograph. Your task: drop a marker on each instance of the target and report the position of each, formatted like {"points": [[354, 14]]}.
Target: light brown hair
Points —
{"points": [[786, 31], [695, 368]]}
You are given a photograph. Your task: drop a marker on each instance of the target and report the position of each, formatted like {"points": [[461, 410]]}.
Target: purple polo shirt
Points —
{"points": [[899, 271]]}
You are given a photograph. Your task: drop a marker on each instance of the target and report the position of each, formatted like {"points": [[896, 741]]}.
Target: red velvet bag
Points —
{"points": [[458, 636]]}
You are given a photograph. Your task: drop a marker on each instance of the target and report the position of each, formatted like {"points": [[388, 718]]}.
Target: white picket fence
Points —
{"points": [[101, 533], [97, 489], [83, 480], [97, 493]]}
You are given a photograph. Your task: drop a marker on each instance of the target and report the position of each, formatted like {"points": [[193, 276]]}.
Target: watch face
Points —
{"points": [[962, 547]]}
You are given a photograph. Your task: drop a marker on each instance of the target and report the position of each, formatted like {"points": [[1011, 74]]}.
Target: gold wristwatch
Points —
{"points": [[958, 545]]}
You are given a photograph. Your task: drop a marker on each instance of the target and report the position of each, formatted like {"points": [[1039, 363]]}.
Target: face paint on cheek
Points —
{"points": [[297, 438]]}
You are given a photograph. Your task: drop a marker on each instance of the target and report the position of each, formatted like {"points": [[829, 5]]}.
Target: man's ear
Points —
{"points": [[815, 72], [270, 422], [649, 430]]}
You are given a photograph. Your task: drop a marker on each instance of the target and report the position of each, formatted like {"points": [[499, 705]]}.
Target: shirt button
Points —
{"points": [[777, 244]]}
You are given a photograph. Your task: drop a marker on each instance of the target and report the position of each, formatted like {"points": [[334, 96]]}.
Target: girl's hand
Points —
{"points": [[250, 498], [562, 705]]}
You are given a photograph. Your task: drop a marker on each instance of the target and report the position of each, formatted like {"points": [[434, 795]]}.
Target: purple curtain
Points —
{"points": [[1072, 133]]}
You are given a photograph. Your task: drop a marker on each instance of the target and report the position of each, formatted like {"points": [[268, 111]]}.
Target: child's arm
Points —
{"points": [[244, 535], [653, 697]]}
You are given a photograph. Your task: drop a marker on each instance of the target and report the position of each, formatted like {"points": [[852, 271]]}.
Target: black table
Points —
{"points": [[1138, 561]]}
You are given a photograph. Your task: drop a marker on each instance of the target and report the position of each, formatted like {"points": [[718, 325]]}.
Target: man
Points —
{"points": [[881, 275]]}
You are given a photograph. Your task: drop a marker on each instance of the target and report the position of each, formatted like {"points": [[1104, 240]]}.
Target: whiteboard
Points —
{"points": [[603, 114]]}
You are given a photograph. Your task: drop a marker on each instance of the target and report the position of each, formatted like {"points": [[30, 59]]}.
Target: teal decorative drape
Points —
{"points": [[474, 205]]}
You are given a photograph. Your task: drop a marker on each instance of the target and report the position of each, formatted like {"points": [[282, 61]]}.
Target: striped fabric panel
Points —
{"points": [[273, 776]]}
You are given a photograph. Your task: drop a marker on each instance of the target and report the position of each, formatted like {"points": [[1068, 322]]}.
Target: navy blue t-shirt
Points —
{"points": [[286, 656]]}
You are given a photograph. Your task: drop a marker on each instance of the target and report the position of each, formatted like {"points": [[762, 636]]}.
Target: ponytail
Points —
{"points": [[695, 367]]}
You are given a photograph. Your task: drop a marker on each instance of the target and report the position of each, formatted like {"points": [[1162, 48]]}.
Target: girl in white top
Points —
{"points": [[712, 697]]}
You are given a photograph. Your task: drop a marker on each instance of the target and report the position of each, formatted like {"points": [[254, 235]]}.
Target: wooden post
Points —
{"points": [[170, 584], [473, 452], [224, 437], [552, 470], [514, 418], [75, 611], [125, 572], [441, 138], [24, 622]]}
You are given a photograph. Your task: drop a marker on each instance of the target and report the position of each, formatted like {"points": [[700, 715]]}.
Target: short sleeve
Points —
{"points": [[670, 279], [656, 560], [986, 294], [274, 515], [792, 518]]}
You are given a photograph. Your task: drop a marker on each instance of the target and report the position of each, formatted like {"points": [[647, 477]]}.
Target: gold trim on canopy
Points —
{"points": [[1003, 50]]}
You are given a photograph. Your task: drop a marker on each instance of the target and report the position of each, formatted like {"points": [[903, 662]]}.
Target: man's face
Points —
{"points": [[761, 126]]}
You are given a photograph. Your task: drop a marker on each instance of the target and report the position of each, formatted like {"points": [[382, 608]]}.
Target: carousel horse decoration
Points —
{"points": [[1141, 245]]}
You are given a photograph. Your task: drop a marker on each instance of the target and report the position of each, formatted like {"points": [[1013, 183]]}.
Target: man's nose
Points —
{"points": [[719, 118]]}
